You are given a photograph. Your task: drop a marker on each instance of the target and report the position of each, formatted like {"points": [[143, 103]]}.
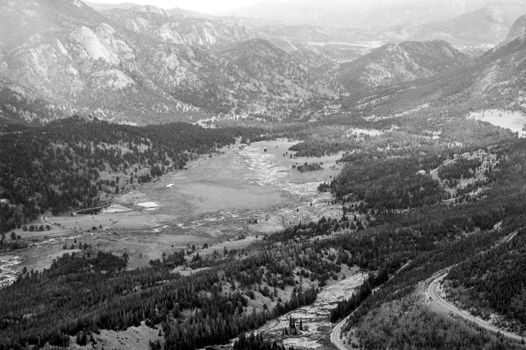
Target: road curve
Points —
{"points": [[442, 305], [336, 339], [336, 332], [45, 220]]}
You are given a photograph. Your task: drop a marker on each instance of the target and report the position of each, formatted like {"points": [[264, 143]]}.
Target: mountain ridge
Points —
{"points": [[517, 30], [374, 14], [482, 27], [143, 65], [393, 64], [494, 80]]}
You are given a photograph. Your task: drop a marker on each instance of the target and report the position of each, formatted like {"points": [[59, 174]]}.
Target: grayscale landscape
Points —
{"points": [[262, 175]]}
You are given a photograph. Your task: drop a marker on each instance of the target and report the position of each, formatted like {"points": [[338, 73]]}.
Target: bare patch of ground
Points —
{"points": [[133, 338], [315, 317], [7, 269], [511, 120]]}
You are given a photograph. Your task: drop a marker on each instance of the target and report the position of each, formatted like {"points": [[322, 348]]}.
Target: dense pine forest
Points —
{"points": [[486, 279], [399, 222], [77, 163], [89, 291], [494, 282]]}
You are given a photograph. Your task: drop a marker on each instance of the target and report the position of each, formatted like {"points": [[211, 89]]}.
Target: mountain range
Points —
{"points": [[141, 64], [397, 63], [144, 65], [486, 26], [374, 14], [517, 30], [494, 80]]}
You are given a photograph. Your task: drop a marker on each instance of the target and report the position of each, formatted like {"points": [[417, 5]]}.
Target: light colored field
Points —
{"points": [[8, 265], [511, 120], [214, 200], [133, 338], [302, 343], [148, 205], [115, 208]]}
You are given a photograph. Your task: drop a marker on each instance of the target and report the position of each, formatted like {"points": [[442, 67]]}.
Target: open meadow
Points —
{"points": [[226, 200]]}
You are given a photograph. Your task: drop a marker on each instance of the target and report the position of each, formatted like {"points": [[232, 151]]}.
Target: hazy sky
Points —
{"points": [[205, 6], [219, 7]]}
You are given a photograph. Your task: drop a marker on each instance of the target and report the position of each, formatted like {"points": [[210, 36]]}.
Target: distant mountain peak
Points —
{"points": [[144, 64], [517, 30], [149, 9], [492, 14], [397, 63]]}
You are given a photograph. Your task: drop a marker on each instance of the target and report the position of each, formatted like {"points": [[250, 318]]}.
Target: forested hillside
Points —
{"points": [[144, 65], [78, 163], [485, 281], [206, 308], [373, 180], [494, 282], [494, 80], [224, 300], [397, 63]]}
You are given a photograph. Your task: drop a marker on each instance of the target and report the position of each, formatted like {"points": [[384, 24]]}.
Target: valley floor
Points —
{"points": [[224, 201]]}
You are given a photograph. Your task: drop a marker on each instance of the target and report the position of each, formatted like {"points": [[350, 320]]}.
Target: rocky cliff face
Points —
{"points": [[144, 65], [177, 28]]}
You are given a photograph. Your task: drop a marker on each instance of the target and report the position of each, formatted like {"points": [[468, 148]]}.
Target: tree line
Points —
{"points": [[76, 163]]}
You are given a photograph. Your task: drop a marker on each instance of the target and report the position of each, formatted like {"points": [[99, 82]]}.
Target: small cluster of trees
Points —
{"points": [[256, 342], [307, 167], [346, 307], [14, 241]]}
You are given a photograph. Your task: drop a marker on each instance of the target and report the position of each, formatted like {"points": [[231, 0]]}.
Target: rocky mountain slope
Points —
{"points": [[482, 27], [397, 63], [177, 27], [498, 78], [495, 80], [517, 30], [145, 65], [17, 102], [473, 24]]}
